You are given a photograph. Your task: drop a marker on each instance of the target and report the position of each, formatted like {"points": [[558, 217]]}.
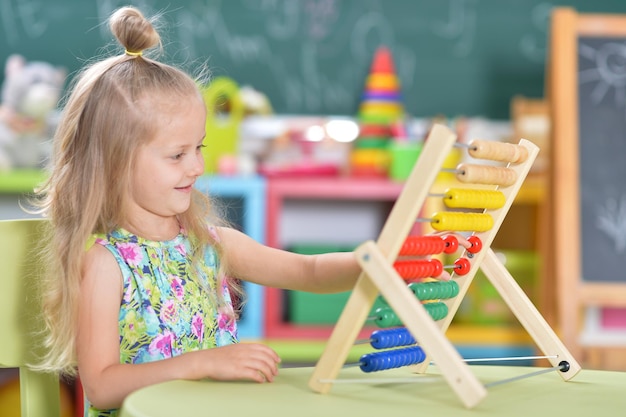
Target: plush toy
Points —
{"points": [[254, 101], [28, 111]]}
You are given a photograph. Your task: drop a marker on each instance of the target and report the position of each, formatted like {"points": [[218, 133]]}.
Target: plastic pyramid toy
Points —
{"points": [[381, 101], [381, 107]]}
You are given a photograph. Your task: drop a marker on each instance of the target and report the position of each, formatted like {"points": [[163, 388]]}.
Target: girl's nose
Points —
{"points": [[197, 168]]}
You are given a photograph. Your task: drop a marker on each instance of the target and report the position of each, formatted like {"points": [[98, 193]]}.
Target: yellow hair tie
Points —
{"points": [[131, 53]]}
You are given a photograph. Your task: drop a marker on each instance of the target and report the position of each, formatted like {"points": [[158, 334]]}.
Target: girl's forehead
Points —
{"points": [[178, 124]]}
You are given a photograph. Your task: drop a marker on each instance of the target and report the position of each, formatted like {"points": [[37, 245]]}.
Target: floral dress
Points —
{"points": [[165, 310]]}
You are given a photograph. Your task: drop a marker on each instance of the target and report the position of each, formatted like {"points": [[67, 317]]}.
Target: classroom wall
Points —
{"points": [[453, 57]]}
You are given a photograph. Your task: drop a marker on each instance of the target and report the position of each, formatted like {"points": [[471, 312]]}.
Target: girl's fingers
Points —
{"points": [[445, 276], [263, 370], [463, 241]]}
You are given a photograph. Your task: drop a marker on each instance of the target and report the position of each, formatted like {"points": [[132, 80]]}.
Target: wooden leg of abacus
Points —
{"points": [[528, 315]]}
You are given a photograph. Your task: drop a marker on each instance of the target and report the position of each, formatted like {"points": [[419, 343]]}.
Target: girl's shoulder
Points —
{"points": [[117, 245], [100, 261]]}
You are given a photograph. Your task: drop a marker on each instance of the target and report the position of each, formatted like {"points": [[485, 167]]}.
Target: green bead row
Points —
{"points": [[435, 290], [385, 317]]}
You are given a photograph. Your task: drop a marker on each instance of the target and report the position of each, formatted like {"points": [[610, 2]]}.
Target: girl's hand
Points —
{"points": [[242, 361]]}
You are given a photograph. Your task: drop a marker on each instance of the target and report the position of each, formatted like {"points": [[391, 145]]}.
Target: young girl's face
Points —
{"points": [[167, 167]]}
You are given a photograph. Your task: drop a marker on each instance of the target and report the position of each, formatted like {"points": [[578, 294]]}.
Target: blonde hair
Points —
{"points": [[105, 119]]}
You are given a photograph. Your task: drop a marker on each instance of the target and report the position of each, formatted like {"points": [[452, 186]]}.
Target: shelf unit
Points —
{"points": [[338, 194], [244, 199], [14, 188], [297, 342]]}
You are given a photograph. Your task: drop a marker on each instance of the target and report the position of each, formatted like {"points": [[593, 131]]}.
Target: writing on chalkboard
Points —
{"points": [[608, 70], [612, 221], [22, 17]]}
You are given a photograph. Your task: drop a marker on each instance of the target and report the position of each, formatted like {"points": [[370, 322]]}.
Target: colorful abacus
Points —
{"points": [[423, 307]]}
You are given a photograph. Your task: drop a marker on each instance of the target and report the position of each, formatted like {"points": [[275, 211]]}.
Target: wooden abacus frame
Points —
{"points": [[379, 277]]}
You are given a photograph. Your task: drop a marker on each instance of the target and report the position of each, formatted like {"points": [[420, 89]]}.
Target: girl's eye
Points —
{"points": [[199, 147], [178, 156]]}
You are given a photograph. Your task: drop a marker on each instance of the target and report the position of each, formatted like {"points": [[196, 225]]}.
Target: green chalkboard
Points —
{"points": [[453, 57], [601, 149]]}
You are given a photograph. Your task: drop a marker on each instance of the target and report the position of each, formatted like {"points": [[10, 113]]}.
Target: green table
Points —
{"points": [[590, 393]]}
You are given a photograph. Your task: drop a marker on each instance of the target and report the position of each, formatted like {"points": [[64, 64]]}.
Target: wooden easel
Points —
{"points": [[379, 277], [565, 261]]}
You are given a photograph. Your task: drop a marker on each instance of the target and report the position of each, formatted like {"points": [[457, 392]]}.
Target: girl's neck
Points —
{"points": [[164, 230]]}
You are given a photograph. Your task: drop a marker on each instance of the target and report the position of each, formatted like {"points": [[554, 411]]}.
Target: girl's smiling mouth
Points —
{"points": [[185, 188]]}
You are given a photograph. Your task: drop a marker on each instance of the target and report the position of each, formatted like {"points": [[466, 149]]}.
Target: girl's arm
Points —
{"points": [[251, 261], [107, 382]]}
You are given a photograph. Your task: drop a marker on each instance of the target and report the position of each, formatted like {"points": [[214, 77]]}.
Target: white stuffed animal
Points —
{"points": [[28, 111]]}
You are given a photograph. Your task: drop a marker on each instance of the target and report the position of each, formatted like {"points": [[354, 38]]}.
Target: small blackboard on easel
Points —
{"points": [[586, 89]]}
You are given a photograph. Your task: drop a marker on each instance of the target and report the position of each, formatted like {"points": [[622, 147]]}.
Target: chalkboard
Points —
{"points": [[453, 57], [585, 243], [602, 157]]}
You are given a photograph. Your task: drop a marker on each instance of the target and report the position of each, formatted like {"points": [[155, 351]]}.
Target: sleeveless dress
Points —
{"points": [[165, 309]]}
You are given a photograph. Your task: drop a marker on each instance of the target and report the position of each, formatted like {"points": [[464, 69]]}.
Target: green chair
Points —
{"points": [[20, 316]]}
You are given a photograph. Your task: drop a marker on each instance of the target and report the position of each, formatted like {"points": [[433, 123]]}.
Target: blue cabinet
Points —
{"points": [[245, 203]]}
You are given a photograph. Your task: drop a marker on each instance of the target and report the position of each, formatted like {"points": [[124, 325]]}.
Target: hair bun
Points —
{"points": [[133, 31]]}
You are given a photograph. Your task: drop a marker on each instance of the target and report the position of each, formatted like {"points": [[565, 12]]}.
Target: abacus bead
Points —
{"points": [[474, 199], [430, 292], [367, 364], [442, 289], [461, 221], [383, 339], [380, 340], [437, 267], [476, 244], [462, 266], [422, 245], [417, 289], [406, 338], [396, 358], [454, 288], [436, 310], [451, 244], [385, 317]]}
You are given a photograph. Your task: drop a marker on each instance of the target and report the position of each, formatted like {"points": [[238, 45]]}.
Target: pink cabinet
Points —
{"points": [[337, 211]]}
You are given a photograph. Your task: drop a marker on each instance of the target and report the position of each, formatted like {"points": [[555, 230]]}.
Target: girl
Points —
{"points": [[138, 290]]}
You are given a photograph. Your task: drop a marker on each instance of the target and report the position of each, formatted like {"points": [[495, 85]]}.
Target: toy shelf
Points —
{"points": [[20, 181], [283, 194], [244, 197], [15, 187], [331, 191]]}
